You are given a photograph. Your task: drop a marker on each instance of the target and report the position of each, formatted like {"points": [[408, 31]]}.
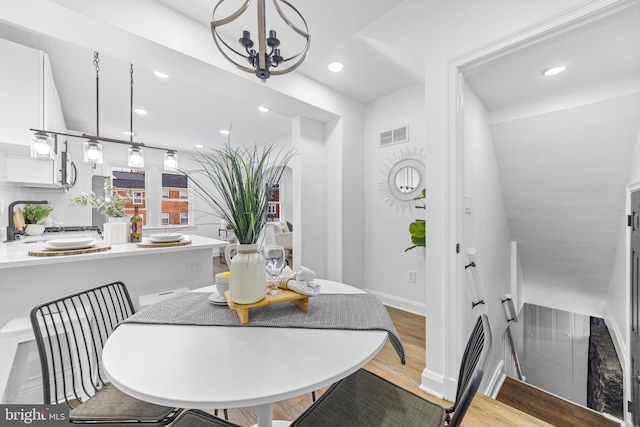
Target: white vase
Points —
{"points": [[116, 231], [248, 282]]}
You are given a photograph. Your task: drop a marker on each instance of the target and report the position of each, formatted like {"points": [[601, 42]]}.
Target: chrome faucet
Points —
{"points": [[11, 227]]}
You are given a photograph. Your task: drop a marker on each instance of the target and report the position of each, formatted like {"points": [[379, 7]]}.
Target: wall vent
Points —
{"points": [[394, 136]]}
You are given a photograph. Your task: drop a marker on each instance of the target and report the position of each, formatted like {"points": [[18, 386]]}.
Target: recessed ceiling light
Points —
{"points": [[126, 132], [199, 146], [263, 109], [161, 75], [141, 111], [336, 67], [224, 132], [553, 71]]}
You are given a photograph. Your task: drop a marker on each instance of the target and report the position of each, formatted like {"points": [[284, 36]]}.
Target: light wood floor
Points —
{"points": [[411, 328], [484, 411]]}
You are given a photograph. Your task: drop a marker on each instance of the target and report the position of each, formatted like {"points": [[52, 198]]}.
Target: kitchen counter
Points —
{"points": [[26, 280], [16, 254]]}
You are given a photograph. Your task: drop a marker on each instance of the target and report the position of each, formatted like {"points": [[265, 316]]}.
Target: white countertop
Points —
{"points": [[16, 254]]}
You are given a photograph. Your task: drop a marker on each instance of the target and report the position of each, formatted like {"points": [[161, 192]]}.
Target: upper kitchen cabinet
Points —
{"points": [[29, 101]]}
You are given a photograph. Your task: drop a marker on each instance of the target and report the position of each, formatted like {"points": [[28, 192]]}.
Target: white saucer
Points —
{"points": [[70, 243], [88, 244], [166, 237], [177, 239], [217, 299]]}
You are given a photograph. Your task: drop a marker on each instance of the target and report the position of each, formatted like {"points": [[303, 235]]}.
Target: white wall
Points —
{"points": [[486, 228], [387, 229], [556, 350]]}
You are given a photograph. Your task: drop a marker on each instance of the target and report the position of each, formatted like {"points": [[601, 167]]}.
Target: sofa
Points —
{"points": [[283, 232]]}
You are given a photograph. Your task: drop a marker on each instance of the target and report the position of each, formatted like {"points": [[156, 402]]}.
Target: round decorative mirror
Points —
{"points": [[403, 178]]}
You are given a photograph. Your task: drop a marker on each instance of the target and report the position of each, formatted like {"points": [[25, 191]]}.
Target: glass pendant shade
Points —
{"points": [[42, 146], [92, 151], [171, 161], [135, 157]]}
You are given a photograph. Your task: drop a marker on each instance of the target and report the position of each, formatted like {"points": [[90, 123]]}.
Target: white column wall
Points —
{"points": [[453, 30], [310, 196]]}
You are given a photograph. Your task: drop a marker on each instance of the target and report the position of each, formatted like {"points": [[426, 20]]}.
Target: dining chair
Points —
{"points": [[70, 333], [366, 399]]}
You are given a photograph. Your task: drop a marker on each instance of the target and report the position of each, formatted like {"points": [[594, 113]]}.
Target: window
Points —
{"points": [[132, 180], [137, 198], [175, 199]]}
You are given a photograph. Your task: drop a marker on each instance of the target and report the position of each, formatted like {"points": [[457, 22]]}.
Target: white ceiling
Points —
{"points": [[563, 144], [200, 102]]}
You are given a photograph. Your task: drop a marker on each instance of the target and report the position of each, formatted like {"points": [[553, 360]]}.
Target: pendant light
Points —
{"points": [[42, 146], [265, 58], [92, 149], [171, 161], [135, 154]]}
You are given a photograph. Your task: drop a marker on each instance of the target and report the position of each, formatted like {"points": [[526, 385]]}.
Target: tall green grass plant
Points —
{"points": [[236, 184]]}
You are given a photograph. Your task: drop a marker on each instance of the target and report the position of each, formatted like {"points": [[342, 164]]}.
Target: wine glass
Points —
{"points": [[274, 262]]}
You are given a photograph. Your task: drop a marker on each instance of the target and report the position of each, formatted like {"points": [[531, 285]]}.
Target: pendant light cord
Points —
{"points": [[96, 63], [131, 105]]}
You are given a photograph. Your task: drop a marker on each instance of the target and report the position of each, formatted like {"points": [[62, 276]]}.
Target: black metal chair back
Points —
{"points": [[466, 399], [70, 333], [474, 357]]}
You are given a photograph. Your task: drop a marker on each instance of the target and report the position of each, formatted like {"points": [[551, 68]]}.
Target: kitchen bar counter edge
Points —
{"points": [[13, 255]]}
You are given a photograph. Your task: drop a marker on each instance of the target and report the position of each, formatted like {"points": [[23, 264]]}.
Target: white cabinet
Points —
{"points": [[21, 86], [29, 101]]}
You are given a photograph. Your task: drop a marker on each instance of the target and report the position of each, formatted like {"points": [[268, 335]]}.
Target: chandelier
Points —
{"points": [[268, 54]]}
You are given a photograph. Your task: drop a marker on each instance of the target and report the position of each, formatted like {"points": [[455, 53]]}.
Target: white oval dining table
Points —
{"points": [[213, 367]]}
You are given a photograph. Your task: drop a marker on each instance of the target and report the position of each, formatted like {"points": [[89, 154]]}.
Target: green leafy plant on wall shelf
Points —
{"points": [[417, 228]]}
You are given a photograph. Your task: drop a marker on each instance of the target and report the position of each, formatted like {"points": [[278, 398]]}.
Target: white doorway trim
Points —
{"points": [[454, 173]]}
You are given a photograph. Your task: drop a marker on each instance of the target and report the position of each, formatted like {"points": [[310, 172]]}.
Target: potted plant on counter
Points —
{"points": [[235, 183], [33, 214], [116, 231]]}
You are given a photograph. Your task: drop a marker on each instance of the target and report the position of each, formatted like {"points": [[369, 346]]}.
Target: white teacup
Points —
{"points": [[222, 282], [222, 288]]}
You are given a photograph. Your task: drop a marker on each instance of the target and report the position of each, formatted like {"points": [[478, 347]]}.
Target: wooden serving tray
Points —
{"points": [[300, 300], [64, 252], [163, 244]]}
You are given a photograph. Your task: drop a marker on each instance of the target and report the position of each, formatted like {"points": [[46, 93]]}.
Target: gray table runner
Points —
{"points": [[326, 311]]}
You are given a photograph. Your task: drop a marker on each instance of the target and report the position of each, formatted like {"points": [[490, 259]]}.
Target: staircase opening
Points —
{"points": [[571, 356]]}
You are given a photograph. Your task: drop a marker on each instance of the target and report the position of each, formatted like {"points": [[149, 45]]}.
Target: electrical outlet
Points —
{"points": [[412, 276], [194, 267]]}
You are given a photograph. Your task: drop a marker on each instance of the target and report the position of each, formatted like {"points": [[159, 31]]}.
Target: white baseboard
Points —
{"points": [[494, 384], [400, 303], [432, 383]]}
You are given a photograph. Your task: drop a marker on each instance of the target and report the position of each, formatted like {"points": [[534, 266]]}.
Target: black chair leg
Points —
{"points": [[226, 414]]}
